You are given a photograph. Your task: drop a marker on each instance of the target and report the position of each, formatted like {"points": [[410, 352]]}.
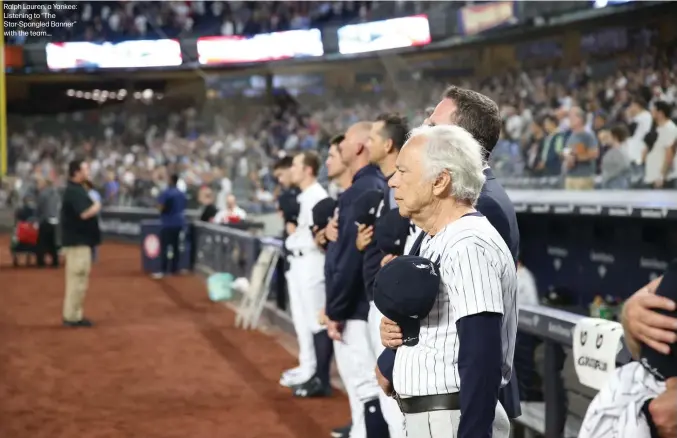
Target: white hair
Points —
{"points": [[453, 149]]}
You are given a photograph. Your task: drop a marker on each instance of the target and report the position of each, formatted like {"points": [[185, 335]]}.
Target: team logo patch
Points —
{"points": [[151, 246]]}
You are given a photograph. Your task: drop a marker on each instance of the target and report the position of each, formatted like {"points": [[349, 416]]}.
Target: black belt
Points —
{"points": [[301, 253], [429, 403]]}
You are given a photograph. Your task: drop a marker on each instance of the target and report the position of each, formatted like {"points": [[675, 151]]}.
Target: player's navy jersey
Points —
{"points": [[478, 275], [372, 255], [345, 290]]}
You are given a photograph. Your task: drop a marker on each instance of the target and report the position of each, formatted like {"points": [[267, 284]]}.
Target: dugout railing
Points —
{"points": [[560, 409]]}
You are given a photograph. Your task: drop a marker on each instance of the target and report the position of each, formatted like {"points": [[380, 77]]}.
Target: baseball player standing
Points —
{"points": [[341, 176], [388, 134], [306, 277], [449, 381], [347, 308], [288, 208], [480, 116]]}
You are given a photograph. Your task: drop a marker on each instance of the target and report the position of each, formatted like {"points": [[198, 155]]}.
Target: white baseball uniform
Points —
{"points": [[305, 279], [616, 410], [478, 275], [389, 408]]}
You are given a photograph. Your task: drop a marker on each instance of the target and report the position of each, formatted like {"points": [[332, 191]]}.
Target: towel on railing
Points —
{"points": [[220, 286], [616, 410]]}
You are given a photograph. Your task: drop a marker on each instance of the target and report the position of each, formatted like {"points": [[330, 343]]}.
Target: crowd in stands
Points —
{"points": [[117, 21], [623, 104]]}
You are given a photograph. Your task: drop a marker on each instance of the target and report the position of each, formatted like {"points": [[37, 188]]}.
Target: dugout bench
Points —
{"points": [[580, 244]]}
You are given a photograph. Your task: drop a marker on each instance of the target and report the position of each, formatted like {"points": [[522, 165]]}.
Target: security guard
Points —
{"points": [[80, 229], [47, 212], [172, 205]]}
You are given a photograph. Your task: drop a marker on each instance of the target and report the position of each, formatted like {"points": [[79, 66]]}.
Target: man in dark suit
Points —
{"points": [[480, 116]]}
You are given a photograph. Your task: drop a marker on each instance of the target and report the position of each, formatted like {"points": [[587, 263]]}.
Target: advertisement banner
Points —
{"points": [[151, 248], [597, 343], [383, 35], [478, 18], [259, 48], [14, 57], [126, 54]]}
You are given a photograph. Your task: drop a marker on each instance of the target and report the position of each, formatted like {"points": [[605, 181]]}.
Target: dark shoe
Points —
{"points": [[312, 388], [82, 323], [342, 432]]}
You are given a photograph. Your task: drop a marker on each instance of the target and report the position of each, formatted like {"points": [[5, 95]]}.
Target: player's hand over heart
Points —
{"points": [[387, 259], [391, 334], [663, 410], [643, 324], [331, 232], [320, 237], [364, 236]]}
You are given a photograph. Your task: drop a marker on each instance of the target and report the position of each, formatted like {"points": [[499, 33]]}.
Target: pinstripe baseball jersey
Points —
{"points": [[616, 410], [478, 275], [414, 231]]}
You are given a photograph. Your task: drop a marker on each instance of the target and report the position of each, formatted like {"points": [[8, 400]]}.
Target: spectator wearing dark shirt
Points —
{"points": [[615, 164], [80, 229], [206, 199], [172, 204], [550, 160], [48, 217]]}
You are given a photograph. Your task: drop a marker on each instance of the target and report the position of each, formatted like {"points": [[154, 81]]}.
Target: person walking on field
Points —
{"points": [[80, 229]]}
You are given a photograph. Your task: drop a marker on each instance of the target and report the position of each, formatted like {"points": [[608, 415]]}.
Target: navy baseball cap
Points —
{"points": [[289, 206], [663, 366], [391, 232], [323, 212], [405, 291], [365, 207]]}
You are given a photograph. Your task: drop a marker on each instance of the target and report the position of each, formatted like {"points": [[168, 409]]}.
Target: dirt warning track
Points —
{"points": [[162, 361]]}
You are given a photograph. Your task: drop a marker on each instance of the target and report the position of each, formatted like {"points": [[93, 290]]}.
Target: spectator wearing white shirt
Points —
{"points": [[642, 119], [227, 28], [226, 189], [231, 214], [659, 165], [527, 293]]}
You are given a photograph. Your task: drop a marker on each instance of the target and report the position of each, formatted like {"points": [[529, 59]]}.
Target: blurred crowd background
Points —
{"points": [[227, 133]]}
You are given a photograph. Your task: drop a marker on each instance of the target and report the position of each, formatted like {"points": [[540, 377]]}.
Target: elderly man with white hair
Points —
{"points": [[448, 383]]}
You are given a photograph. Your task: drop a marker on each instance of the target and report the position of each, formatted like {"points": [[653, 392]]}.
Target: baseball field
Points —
{"points": [[162, 361]]}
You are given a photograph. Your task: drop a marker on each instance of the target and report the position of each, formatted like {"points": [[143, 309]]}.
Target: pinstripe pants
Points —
{"points": [[444, 424]]}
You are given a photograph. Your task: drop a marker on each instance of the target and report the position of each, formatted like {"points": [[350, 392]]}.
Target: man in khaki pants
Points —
{"points": [[80, 232]]}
